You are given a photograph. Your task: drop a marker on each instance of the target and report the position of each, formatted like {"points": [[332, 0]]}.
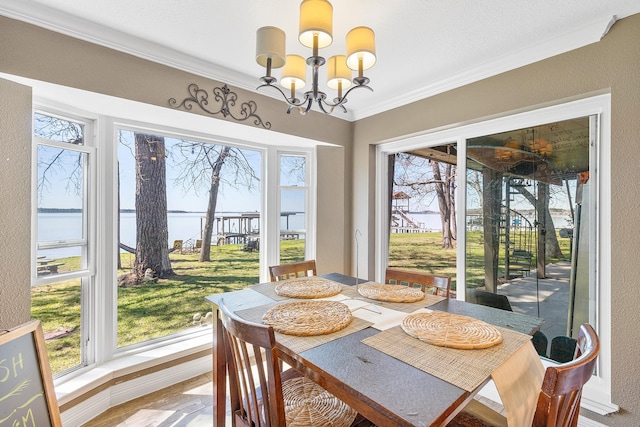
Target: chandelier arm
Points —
{"points": [[301, 109], [309, 103], [320, 104], [353, 88], [288, 100], [343, 100], [276, 88]]}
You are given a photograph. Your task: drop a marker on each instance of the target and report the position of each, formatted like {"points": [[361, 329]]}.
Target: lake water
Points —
{"points": [[184, 226]]}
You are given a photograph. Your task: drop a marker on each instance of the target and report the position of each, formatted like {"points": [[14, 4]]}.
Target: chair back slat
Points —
{"points": [[429, 283], [296, 269], [254, 372], [559, 399]]}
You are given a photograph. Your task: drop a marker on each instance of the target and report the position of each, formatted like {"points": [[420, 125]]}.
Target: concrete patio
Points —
{"points": [[546, 298]]}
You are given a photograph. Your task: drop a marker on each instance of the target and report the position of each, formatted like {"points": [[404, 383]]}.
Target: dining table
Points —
{"points": [[372, 365]]}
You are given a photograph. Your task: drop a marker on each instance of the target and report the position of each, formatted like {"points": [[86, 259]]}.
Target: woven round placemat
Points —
{"points": [[307, 318], [391, 293], [308, 404], [451, 330], [307, 287]]}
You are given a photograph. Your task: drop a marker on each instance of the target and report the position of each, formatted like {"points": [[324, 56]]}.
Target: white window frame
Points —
{"points": [[100, 307], [309, 199], [597, 392], [106, 312], [86, 274]]}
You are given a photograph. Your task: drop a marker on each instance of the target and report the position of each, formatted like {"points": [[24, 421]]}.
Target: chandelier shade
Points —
{"points": [[294, 73], [316, 20], [361, 48], [270, 44], [316, 32], [338, 74]]}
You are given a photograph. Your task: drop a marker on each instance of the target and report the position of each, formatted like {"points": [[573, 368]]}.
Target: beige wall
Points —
{"points": [[345, 174], [332, 201], [612, 65], [39, 54], [15, 203]]}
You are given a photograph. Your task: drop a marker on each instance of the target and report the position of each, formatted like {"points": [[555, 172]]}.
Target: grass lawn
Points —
{"points": [[153, 310], [168, 306]]}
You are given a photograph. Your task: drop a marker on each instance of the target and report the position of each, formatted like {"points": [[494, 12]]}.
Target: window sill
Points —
{"points": [[84, 394]]}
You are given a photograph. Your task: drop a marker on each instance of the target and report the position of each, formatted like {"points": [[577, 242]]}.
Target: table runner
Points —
{"points": [[466, 369], [519, 381], [300, 344]]}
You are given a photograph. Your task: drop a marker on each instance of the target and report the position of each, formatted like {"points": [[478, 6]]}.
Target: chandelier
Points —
{"points": [[316, 25]]}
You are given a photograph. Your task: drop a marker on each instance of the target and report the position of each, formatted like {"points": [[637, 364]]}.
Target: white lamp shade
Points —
{"points": [[338, 72], [270, 43], [294, 72], [361, 44], [316, 17]]}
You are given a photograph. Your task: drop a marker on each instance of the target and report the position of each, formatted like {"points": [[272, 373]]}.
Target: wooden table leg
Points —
{"points": [[219, 375]]}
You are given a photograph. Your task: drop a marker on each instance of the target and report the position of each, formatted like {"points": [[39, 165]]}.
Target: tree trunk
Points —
{"points": [[442, 192], [491, 203], [152, 235], [451, 179], [205, 251]]}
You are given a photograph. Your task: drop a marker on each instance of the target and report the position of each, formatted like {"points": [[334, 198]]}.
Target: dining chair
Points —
{"points": [[437, 285], [559, 400], [296, 269], [489, 299], [562, 349], [541, 343], [261, 394]]}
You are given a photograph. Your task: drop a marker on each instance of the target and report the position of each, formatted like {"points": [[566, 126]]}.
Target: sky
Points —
{"points": [[61, 191]]}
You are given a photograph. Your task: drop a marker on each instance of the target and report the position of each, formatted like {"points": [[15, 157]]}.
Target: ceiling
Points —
{"points": [[424, 47]]}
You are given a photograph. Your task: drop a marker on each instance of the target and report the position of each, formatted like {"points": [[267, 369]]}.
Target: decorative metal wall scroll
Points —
{"points": [[227, 100]]}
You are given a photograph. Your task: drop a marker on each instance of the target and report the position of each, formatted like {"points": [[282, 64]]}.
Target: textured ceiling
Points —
{"points": [[423, 46]]}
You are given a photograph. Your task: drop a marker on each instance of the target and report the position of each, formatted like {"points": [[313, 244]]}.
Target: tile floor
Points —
{"points": [[188, 404]]}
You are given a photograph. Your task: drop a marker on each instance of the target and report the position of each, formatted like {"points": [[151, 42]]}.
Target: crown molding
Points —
{"points": [[60, 22], [72, 26], [535, 52]]}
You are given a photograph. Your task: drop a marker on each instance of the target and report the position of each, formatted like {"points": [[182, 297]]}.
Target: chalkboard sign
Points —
{"points": [[27, 398]]}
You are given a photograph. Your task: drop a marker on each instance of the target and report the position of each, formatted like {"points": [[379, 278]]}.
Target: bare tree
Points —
{"points": [[423, 178], [210, 166], [59, 160], [475, 183], [152, 234]]}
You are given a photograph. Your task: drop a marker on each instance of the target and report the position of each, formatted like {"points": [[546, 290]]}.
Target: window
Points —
{"points": [[63, 265], [189, 215], [86, 226], [294, 199], [422, 211], [531, 196]]}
